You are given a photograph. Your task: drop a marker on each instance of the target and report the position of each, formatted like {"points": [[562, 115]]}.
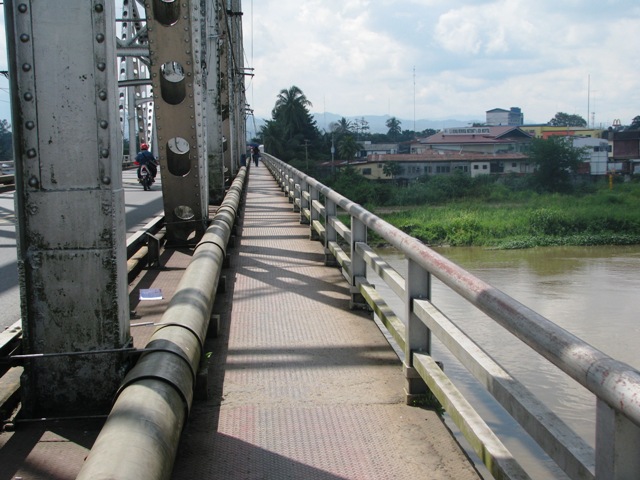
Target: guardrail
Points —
{"points": [[615, 384], [143, 247]]}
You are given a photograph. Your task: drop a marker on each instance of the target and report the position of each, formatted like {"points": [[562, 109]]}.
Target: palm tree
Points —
{"points": [[393, 124], [348, 147], [342, 127], [391, 169], [291, 110]]}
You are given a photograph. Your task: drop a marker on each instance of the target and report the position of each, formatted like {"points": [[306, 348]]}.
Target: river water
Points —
{"points": [[593, 292]]}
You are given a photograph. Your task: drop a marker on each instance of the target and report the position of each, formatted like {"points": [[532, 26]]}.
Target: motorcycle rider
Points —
{"points": [[145, 157]]}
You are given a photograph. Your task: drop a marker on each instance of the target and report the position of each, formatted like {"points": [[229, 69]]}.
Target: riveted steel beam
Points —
{"points": [[175, 31], [69, 203]]}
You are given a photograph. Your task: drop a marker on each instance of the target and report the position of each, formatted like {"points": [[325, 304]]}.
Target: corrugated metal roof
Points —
{"points": [[501, 134]]}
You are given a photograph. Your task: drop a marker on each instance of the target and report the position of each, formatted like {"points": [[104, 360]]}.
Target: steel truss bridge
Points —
{"points": [[86, 79]]}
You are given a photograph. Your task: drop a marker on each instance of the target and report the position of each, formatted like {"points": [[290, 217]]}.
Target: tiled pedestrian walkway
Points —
{"points": [[299, 386], [303, 387]]}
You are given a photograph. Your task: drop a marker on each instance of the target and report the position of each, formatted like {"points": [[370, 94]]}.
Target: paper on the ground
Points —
{"points": [[150, 294]]}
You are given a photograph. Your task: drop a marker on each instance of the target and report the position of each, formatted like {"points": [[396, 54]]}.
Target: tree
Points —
{"points": [[348, 147], [342, 127], [635, 123], [273, 138], [292, 112], [361, 126], [393, 124], [291, 126], [555, 158], [391, 169], [428, 132], [565, 120]]}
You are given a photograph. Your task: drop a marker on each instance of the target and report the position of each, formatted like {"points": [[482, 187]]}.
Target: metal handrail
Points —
{"points": [[615, 384]]}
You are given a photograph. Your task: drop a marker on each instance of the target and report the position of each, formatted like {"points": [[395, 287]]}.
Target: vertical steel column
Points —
{"points": [[69, 203], [213, 103], [225, 85], [418, 336], [175, 49], [617, 440], [240, 99]]}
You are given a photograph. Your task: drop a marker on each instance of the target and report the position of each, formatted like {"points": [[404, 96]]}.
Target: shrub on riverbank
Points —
{"points": [[527, 219]]}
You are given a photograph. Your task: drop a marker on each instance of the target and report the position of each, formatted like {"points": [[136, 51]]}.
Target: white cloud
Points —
{"points": [[357, 57]]}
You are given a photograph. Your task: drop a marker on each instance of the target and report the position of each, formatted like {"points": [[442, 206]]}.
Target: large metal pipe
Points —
{"points": [[140, 437]]}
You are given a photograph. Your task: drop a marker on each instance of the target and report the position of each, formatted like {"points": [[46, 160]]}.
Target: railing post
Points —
{"points": [[290, 191], [304, 202], [314, 215], [418, 336], [297, 194], [617, 440], [282, 177], [331, 235], [358, 265]]}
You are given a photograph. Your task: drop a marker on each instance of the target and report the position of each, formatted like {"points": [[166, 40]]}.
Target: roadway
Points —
{"points": [[140, 207]]}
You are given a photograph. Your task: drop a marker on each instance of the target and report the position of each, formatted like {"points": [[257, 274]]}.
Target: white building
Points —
{"points": [[501, 117], [597, 153]]}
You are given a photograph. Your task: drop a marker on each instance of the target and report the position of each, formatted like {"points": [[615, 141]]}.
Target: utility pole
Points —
{"points": [[333, 154], [306, 153]]}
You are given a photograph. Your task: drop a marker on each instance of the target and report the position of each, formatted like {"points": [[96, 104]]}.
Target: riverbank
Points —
{"points": [[606, 217]]}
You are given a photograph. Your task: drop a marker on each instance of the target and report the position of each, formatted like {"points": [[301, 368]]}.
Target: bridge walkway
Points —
{"points": [[297, 385], [303, 386]]}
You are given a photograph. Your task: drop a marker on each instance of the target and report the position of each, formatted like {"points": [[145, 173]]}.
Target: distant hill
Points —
{"points": [[377, 123]]}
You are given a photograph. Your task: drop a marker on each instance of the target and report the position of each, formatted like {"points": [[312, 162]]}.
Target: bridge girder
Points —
{"points": [[69, 204]]}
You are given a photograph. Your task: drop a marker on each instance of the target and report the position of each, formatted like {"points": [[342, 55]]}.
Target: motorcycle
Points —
{"points": [[145, 177]]}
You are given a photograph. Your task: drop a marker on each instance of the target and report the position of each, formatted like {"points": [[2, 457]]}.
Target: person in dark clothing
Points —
{"points": [[255, 153], [145, 157]]}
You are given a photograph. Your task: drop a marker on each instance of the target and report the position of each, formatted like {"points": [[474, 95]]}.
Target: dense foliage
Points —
{"points": [[291, 133], [505, 211], [562, 119], [556, 159], [529, 219]]}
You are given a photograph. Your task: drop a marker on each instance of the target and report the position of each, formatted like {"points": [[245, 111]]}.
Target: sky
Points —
{"points": [[441, 59]]}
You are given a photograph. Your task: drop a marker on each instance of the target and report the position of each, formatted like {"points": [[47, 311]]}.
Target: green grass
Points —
{"points": [[527, 219]]}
